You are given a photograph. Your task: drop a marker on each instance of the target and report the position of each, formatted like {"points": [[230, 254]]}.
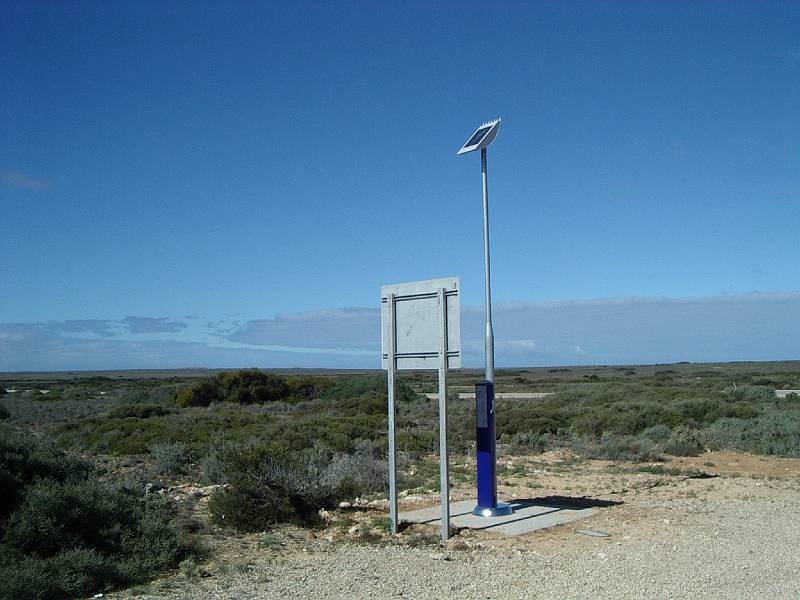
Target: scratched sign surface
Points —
{"points": [[416, 323]]}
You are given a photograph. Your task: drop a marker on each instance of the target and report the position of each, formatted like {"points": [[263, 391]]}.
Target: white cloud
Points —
{"points": [[519, 344], [23, 181], [152, 325], [344, 328]]}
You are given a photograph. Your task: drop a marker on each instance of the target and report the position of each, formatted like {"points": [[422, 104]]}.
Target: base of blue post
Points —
{"points": [[500, 509]]}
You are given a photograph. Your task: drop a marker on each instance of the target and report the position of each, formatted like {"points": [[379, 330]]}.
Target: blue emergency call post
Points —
{"points": [[484, 391], [486, 458]]}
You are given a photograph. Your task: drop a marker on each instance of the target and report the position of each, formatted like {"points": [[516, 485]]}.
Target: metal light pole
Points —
{"points": [[489, 342], [486, 460]]}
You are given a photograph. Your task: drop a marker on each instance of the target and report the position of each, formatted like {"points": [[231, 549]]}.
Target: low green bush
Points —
{"points": [[683, 441], [371, 386], [339, 433], [271, 484], [657, 433], [529, 443], [306, 387], [617, 447], [752, 393], [212, 463], [199, 394], [24, 460], [194, 427], [65, 534], [4, 414], [139, 411], [624, 418], [169, 458], [250, 386], [776, 433]]}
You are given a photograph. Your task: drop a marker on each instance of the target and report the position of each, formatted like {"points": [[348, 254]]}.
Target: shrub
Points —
{"points": [[139, 411], [625, 410], [529, 443], [169, 458], [776, 433], [370, 386], [24, 460], [353, 475], [212, 465], [657, 433], [65, 534], [307, 388], [67, 574], [261, 493], [270, 484], [251, 386], [4, 414], [338, 433], [726, 434], [616, 447], [682, 442], [199, 394], [752, 393], [189, 568], [700, 410]]}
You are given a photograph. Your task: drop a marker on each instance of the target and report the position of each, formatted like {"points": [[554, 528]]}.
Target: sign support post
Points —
{"points": [[444, 479], [392, 412], [420, 329]]}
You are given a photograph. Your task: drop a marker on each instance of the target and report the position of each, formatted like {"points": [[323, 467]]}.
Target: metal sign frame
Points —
{"points": [[414, 317], [416, 334]]}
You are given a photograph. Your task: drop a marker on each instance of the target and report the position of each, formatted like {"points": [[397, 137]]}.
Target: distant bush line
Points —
{"points": [[256, 387], [676, 418]]}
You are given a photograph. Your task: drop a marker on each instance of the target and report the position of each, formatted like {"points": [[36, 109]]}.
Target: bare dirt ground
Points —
{"points": [[721, 525]]}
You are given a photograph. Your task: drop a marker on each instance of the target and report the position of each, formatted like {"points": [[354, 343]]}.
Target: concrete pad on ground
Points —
{"points": [[527, 517], [499, 395]]}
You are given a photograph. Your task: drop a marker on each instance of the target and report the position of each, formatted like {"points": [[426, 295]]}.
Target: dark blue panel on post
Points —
{"points": [[485, 442]]}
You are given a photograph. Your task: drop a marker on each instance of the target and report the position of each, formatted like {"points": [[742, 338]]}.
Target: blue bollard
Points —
{"points": [[486, 454]]}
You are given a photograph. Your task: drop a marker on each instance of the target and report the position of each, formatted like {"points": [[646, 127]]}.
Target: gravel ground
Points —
{"points": [[733, 536]]}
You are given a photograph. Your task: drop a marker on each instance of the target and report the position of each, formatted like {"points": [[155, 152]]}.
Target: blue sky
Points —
{"points": [[229, 184]]}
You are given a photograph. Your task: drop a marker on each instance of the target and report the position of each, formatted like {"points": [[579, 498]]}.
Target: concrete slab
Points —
{"points": [[528, 516], [499, 395]]}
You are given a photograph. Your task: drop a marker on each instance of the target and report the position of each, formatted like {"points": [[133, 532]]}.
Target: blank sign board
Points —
{"points": [[416, 323]]}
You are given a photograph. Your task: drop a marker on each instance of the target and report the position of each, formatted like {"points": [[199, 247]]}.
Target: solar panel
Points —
{"points": [[475, 139], [482, 137]]}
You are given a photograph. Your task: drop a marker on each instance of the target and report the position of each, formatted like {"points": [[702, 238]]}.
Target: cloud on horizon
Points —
{"points": [[152, 325], [344, 328], [21, 180], [757, 326]]}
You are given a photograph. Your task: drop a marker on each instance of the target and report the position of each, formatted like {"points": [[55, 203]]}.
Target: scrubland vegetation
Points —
{"points": [[65, 531], [75, 462]]}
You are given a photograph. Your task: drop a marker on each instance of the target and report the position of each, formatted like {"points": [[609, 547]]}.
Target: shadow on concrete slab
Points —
{"points": [[569, 502], [530, 514]]}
